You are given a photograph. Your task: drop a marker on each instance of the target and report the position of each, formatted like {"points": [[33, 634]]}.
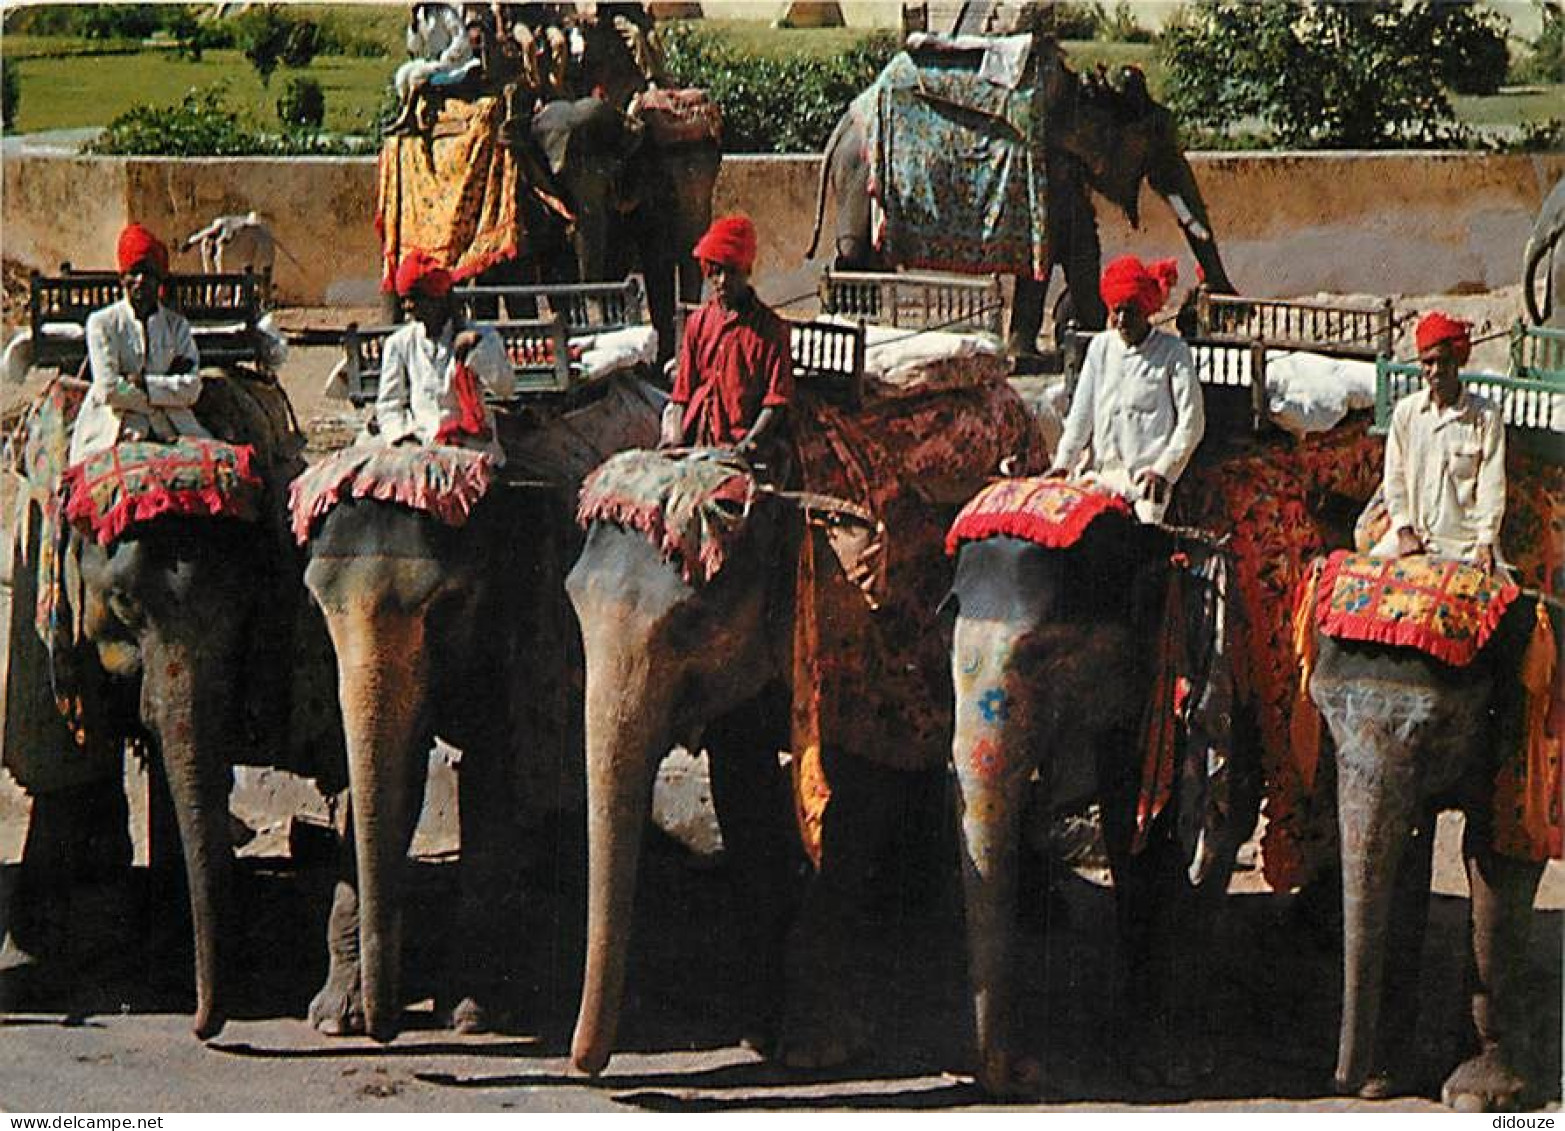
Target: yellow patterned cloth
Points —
{"points": [[453, 194]]}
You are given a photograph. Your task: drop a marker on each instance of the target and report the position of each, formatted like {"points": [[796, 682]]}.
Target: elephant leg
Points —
{"points": [[1502, 893], [337, 1009], [1026, 316], [750, 792], [484, 956], [825, 1020]]}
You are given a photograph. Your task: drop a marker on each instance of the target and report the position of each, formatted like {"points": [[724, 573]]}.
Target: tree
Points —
{"points": [[269, 37], [10, 93], [1328, 73]]}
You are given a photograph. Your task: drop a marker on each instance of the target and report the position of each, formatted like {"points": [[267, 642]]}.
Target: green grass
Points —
{"points": [[1533, 104], [76, 92]]}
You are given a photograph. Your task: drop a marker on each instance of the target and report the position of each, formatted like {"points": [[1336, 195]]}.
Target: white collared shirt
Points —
{"points": [[1135, 407], [120, 349], [1445, 472], [416, 396]]}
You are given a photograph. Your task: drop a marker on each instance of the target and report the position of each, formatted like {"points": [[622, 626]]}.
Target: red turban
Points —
{"points": [[137, 245], [1435, 328], [420, 269], [1128, 280], [729, 241]]}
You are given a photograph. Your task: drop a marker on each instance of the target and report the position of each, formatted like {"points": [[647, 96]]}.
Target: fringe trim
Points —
{"points": [[1351, 626], [452, 506], [980, 525], [696, 566], [240, 501]]}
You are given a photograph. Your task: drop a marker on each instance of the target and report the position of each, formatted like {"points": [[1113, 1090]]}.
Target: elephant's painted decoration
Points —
{"points": [[739, 659], [937, 129], [171, 615], [1436, 682], [1544, 255], [441, 582], [1092, 651]]}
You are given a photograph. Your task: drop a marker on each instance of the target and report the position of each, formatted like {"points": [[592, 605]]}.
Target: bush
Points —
{"points": [[1470, 44], [1313, 73], [269, 36], [774, 104], [10, 93], [118, 21], [302, 105], [202, 124], [1545, 61]]}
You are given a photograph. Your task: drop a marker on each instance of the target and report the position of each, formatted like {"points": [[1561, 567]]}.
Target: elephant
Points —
{"points": [[1094, 136], [179, 632], [456, 630], [1052, 656], [641, 201], [1543, 251], [1413, 734], [715, 661]]}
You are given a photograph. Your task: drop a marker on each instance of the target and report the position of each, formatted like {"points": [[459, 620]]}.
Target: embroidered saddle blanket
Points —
{"points": [[1054, 513], [441, 481], [112, 490], [691, 507], [1447, 609]]}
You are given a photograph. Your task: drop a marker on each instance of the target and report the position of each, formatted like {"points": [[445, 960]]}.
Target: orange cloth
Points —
{"points": [[138, 245], [1304, 718]]}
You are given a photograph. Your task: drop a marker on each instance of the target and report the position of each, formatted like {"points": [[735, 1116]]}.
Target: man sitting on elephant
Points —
{"points": [[1445, 458], [735, 375], [143, 356], [1137, 415], [432, 367]]}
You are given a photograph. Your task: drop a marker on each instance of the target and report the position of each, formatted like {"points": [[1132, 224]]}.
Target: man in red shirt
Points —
{"points": [[735, 375]]}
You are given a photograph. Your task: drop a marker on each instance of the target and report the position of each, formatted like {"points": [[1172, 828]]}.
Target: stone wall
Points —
{"points": [[1288, 223]]}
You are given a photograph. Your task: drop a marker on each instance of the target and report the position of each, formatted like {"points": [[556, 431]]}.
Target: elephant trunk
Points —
{"points": [[992, 764], [1184, 197], [1538, 248], [382, 679], [1376, 796], [190, 715], [832, 142], [626, 731]]}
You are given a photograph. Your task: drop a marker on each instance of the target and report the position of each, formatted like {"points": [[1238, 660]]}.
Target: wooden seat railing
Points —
{"points": [[539, 350], [828, 357], [223, 311], [585, 308], [959, 303]]}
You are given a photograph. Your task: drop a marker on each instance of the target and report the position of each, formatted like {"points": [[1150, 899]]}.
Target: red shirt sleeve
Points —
{"points": [[685, 371], [779, 366]]}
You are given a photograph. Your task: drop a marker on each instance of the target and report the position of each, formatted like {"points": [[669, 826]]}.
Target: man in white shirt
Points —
{"points": [[432, 368], [143, 357], [1445, 458], [1137, 414]]}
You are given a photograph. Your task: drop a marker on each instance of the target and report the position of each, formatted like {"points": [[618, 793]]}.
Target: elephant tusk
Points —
{"points": [[1187, 218]]}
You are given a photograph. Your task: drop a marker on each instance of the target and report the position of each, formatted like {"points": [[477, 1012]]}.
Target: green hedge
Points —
{"points": [[774, 103], [202, 124]]}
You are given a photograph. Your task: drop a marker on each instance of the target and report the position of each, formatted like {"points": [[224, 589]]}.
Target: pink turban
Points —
{"points": [[1128, 280], [730, 241]]}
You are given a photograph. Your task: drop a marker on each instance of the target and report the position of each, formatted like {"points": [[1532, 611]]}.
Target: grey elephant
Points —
{"points": [[171, 614], [1544, 252], [1413, 734], [1088, 135], [1055, 657], [452, 623], [693, 630]]}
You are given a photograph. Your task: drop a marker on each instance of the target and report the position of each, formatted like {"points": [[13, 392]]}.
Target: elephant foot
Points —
{"points": [[1006, 1076], [338, 1010], [470, 1017], [823, 1040], [1487, 1082]]}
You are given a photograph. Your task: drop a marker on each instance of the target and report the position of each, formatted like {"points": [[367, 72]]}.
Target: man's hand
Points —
{"points": [[1408, 543], [1057, 473], [1153, 486], [1484, 558], [464, 343], [673, 429]]}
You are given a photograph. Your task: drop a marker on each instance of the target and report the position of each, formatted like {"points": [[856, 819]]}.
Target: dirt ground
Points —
{"points": [[115, 1036]]}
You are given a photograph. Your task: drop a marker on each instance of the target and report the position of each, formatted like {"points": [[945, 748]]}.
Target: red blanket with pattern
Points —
{"points": [[1050, 512], [1445, 608], [442, 481], [111, 490]]}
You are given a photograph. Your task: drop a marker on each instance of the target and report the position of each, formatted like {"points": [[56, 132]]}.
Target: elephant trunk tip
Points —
{"points": [[382, 1029], [589, 1056], [208, 1023]]}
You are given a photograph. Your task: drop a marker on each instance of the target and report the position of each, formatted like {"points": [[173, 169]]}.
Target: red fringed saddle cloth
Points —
{"points": [[1050, 512], [691, 507], [1447, 609], [441, 481], [120, 486]]}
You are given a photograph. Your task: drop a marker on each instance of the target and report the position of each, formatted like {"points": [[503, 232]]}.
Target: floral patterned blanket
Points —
{"points": [[1445, 608], [112, 490], [1050, 512], [442, 481], [981, 212]]}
